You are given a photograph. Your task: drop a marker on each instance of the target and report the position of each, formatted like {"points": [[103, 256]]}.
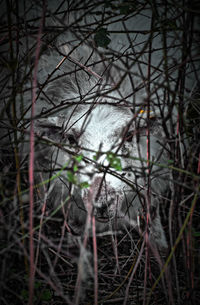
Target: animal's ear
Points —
{"points": [[145, 119]]}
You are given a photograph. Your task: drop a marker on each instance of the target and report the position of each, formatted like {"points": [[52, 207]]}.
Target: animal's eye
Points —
{"points": [[129, 136], [50, 131], [72, 140]]}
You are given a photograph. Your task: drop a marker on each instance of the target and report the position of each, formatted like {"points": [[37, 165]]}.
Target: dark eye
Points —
{"points": [[129, 136], [72, 140], [50, 131]]}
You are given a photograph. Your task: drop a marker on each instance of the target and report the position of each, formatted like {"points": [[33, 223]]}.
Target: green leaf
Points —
{"points": [[84, 185], [196, 234], [78, 158], [124, 9], [95, 157], [110, 156], [71, 177], [127, 7], [114, 161], [24, 294], [75, 168], [37, 285], [101, 38], [46, 295]]}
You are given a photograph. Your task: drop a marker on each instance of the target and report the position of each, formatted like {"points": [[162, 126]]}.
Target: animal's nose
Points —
{"points": [[101, 212]]}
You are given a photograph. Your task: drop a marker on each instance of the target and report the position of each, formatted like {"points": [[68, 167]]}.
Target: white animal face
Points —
{"points": [[108, 138]]}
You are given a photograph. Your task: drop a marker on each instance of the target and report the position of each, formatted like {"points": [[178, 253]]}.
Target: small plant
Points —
{"points": [[40, 293], [101, 38], [114, 161], [71, 175]]}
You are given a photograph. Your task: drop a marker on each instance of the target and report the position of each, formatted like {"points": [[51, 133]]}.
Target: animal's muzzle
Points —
{"points": [[105, 199], [102, 213]]}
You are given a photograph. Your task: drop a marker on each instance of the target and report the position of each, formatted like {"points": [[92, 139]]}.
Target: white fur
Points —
{"points": [[119, 200]]}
